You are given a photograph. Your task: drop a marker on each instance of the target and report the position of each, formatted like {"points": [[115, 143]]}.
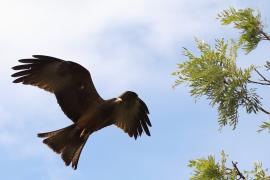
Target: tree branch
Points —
{"points": [[266, 36], [264, 78], [261, 83], [260, 107], [241, 176], [263, 110]]}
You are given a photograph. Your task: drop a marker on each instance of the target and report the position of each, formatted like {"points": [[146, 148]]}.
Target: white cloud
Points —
{"points": [[53, 23], [60, 28]]}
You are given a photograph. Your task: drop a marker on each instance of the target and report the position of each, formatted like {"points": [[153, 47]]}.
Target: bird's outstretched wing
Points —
{"points": [[70, 82], [134, 120]]}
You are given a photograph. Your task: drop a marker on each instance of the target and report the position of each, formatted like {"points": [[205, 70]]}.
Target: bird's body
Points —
{"points": [[75, 93]]}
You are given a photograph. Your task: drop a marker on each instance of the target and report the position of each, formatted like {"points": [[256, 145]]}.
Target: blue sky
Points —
{"points": [[127, 45]]}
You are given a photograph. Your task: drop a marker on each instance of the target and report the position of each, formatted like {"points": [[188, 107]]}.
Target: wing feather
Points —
{"points": [[70, 82], [134, 120]]}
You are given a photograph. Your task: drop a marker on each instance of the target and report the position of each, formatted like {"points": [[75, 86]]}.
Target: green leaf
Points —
{"points": [[214, 74], [247, 22], [210, 169], [264, 126]]}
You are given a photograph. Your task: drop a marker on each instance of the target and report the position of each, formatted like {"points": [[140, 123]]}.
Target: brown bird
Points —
{"points": [[78, 98]]}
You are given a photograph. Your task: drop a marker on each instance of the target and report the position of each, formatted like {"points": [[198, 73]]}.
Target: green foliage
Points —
{"points": [[258, 173], [210, 169], [250, 25], [205, 169], [267, 66], [264, 126], [214, 74]]}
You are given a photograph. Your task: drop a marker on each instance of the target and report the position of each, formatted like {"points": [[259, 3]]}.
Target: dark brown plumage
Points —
{"points": [[78, 98]]}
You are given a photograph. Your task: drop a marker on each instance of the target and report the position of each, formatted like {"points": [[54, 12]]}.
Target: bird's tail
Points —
{"points": [[68, 142]]}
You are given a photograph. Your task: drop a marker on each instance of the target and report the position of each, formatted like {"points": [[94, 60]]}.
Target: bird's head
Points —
{"points": [[128, 98]]}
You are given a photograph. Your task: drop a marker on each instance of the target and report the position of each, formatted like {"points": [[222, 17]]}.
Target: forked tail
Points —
{"points": [[68, 142]]}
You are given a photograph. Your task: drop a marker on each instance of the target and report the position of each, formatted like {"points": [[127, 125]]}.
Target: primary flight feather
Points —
{"points": [[78, 98]]}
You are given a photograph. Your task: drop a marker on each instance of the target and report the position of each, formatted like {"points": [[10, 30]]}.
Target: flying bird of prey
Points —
{"points": [[78, 98]]}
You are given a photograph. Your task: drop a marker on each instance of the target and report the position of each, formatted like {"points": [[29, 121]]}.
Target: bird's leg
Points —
{"points": [[83, 133]]}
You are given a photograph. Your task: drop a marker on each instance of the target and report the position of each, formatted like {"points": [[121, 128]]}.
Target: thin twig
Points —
{"points": [[267, 83], [260, 107], [266, 36], [241, 176], [264, 78], [263, 110], [261, 83]]}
